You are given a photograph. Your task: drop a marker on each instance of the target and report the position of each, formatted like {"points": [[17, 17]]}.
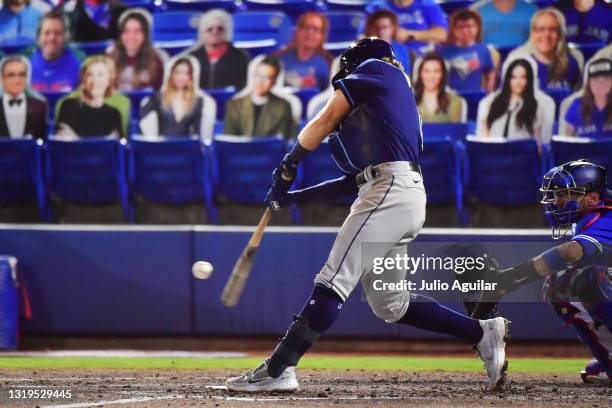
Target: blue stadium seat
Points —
{"points": [[175, 30], [93, 47], [150, 5], [261, 32], [503, 172], [442, 173], [52, 97], [587, 49], [136, 98], [472, 97], [244, 166], [293, 8], [451, 5], [344, 27], [171, 170], [15, 45], [346, 5], [543, 3], [202, 5], [221, 96], [20, 173], [565, 149], [218, 129], [503, 52], [454, 131], [305, 96], [558, 95], [86, 171]]}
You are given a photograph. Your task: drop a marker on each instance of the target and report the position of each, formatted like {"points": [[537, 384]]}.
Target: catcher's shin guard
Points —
{"points": [[297, 340], [594, 290], [572, 315]]}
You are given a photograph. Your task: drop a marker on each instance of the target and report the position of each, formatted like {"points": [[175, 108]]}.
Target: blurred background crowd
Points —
{"points": [[216, 70]]}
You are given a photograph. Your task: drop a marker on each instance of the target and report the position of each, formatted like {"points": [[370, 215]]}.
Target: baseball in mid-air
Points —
{"points": [[202, 270]]}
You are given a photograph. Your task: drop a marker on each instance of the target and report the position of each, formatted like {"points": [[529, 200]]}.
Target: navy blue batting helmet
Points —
{"points": [[572, 180], [360, 51]]}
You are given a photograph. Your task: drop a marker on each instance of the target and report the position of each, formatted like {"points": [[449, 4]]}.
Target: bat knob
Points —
{"points": [[286, 176]]}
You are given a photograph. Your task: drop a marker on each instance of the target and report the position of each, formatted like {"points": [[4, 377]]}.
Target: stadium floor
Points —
{"points": [[358, 381]]}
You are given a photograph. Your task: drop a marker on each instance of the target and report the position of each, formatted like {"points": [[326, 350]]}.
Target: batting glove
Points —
{"points": [[277, 201]]}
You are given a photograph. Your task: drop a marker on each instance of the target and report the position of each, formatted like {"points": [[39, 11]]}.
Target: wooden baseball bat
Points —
{"points": [[235, 284]]}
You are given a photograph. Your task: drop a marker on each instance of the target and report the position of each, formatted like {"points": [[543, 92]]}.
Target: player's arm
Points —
{"points": [[309, 139], [324, 122], [549, 262], [558, 258]]}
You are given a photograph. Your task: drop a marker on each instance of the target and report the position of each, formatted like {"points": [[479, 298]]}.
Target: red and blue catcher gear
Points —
{"points": [[576, 178], [594, 233], [596, 339], [584, 317]]}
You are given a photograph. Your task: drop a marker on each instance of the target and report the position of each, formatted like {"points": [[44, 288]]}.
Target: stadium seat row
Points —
{"points": [[237, 169], [291, 7]]}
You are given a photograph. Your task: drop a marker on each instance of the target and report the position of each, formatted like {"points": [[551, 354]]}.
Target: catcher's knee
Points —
{"points": [[566, 311], [592, 285], [389, 306]]}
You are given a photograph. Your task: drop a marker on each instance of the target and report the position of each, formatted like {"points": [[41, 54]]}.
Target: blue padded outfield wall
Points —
{"points": [[137, 280]]}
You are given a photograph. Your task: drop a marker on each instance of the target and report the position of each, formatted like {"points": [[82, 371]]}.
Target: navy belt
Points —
{"points": [[372, 172]]}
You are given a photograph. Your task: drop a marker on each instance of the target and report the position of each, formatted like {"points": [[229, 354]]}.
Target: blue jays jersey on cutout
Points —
{"points": [[384, 124], [594, 232]]}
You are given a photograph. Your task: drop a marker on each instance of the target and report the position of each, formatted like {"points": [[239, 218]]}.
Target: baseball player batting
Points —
{"points": [[376, 140], [576, 199]]}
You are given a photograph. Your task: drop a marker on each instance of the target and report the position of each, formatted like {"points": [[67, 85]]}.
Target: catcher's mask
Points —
{"points": [[565, 184]]}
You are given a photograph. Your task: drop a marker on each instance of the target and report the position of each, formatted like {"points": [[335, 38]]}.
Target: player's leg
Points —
{"points": [[597, 340], [337, 279], [278, 372], [400, 306], [593, 288]]}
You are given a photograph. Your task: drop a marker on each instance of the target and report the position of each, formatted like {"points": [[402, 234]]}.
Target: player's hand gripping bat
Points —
{"points": [[235, 284]]}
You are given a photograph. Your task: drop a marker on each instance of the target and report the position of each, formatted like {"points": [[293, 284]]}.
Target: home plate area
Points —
{"points": [[319, 388]]}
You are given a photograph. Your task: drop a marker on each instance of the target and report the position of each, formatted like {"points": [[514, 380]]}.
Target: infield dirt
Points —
{"points": [[319, 388]]}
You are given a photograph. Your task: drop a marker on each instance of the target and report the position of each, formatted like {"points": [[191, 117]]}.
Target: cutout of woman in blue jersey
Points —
{"points": [[589, 113]]}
